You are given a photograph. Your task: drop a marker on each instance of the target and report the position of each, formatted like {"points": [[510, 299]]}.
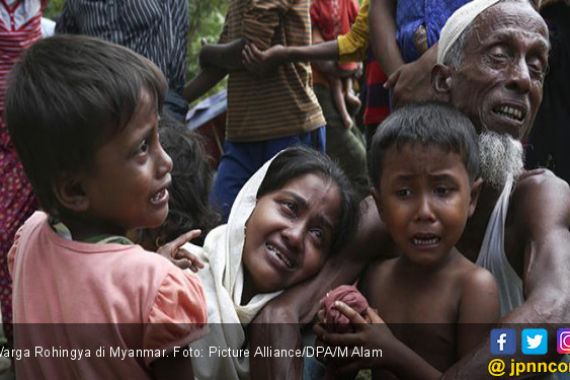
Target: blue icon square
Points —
{"points": [[503, 341], [534, 341]]}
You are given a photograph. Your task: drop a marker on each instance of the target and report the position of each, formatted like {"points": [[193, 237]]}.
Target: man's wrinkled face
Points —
{"points": [[499, 82]]}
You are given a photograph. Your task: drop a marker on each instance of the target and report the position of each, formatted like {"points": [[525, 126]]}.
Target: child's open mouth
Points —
{"points": [[425, 240]]}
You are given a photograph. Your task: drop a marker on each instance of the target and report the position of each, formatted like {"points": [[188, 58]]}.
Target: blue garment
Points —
{"points": [[241, 160], [410, 14]]}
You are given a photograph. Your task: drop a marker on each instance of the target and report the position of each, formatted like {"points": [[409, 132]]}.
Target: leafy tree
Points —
{"points": [[206, 22], [53, 8]]}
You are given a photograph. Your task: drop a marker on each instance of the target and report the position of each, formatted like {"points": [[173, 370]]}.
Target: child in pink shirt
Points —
{"points": [[91, 151]]}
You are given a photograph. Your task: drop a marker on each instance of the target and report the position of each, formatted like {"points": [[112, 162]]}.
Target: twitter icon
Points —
{"points": [[534, 341]]}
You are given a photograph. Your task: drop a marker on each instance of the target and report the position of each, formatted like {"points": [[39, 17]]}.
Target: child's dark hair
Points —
{"points": [[298, 161], [68, 95], [191, 180], [427, 124]]}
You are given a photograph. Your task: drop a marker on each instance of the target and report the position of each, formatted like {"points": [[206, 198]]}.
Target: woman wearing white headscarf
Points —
{"points": [[299, 207]]}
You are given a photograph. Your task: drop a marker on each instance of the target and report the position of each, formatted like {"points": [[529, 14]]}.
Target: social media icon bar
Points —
{"points": [[534, 341], [563, 341], [504, 341]]}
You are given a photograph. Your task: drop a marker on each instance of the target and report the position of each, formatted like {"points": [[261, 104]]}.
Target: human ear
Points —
{"points": [[376, 195], [474, 196], [441, 81], [69, 192]]}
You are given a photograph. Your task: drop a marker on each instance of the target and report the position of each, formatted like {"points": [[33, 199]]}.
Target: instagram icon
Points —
{"points": [[563, 341]]}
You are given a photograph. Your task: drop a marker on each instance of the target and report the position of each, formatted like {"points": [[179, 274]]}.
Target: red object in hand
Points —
{"points": [[335, 320]]}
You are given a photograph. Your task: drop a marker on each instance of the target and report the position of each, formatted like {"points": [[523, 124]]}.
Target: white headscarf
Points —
{"points": [[457, 23], [222, 279]]}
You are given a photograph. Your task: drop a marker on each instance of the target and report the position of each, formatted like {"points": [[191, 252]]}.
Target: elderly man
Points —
{"points": [[493, 58]]}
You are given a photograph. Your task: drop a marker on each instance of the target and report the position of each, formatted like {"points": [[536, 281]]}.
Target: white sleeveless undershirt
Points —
{"points": [[493, 258]]}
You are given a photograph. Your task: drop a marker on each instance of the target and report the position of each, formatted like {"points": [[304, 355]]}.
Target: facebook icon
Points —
{"points": [[503, 341]]}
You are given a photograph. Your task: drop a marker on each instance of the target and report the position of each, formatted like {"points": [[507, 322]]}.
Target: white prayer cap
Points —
{"points": [[458, 22]]}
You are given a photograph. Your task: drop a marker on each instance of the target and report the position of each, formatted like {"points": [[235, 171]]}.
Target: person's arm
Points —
{"points": [[327, 67], [373, 334], [349, 47], [201, 83], [255, 59], [410, 82], [299, 304], [541, 206], [382, 26], [260, 22], [226, 56], [478, 310]]}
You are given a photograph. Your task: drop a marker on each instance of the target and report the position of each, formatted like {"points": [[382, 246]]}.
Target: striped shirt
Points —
{"points": [[282, 103], [19, 28], [156, 29]]}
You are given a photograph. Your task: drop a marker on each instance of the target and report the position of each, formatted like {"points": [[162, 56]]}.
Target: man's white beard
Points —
{"points": [[501, 156]]}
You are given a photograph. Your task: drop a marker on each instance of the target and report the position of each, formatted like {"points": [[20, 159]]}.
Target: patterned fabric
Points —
{"points": [[283, 103], [419, 23], [156, 29], [333, 17], [376, 97], [19, 28]]}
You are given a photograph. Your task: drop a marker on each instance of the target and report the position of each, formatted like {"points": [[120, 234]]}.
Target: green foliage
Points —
{"points": [[206, 23], [54, 7]]}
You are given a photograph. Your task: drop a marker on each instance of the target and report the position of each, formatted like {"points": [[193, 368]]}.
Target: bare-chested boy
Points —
{"points": [[424, 167]]}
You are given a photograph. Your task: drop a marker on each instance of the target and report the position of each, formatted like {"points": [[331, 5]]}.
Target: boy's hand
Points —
{"points": [[321, 323], [259, 62], [370, 333], [180, 257]]}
